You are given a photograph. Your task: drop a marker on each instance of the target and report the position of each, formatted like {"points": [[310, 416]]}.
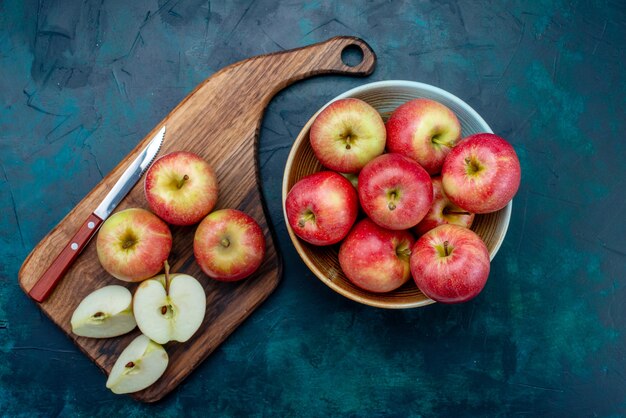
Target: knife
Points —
{"points": [[48, 281]]}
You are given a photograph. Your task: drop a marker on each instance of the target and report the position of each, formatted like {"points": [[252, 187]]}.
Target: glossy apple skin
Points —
{"points": [[229, 245], [457, 277], [424, 130], [322, 207], [133, 244], [442, 212], [482, 173], [178, 201], [374, 258], [347, 134], [395, 191]]}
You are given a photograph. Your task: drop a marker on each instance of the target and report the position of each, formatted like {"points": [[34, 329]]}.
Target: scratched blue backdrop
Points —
{"points": [[82, 82]]}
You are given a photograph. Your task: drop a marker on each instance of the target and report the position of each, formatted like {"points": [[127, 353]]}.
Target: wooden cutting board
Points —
{"points": [[220, 120]]}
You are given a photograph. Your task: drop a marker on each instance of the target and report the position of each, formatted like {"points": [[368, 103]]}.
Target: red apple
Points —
{"points": [[347, 134], [395, 191], [482, 173], [374, 258], [133, 244], [181, 188], [450, 264], [443, 212], [322, 207], [424, 130], [229, 245]]}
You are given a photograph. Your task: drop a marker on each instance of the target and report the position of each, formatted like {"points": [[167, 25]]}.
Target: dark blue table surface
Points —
{"points": [[82, 82]]}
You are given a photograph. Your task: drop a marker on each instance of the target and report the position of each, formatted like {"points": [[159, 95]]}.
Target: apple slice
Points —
{"points": [[169, 308], [105, 313], [138, 366]]}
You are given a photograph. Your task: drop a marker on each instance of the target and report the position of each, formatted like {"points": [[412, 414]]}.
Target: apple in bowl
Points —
{"points": [[322, 207], [133, 244], [395, 191], [347, 134], [450, 264], [181, 188], [374, 258], [443, 212], [482, 173], [424, 130]]}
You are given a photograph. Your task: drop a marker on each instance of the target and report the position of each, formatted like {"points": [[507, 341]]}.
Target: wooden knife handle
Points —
{"points": [[48, 281]]}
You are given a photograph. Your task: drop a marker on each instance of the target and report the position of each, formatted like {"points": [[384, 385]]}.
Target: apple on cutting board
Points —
{"points": [[141, 364], [229, 245], [169, 307], [106, 312], [181, 188], [133, 244]]}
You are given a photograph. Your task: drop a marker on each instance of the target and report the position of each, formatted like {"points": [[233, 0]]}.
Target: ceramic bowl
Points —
{"points": [[384, 96]]}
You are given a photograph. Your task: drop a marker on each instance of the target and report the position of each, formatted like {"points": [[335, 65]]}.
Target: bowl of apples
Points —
{"points": [[397, 194]]}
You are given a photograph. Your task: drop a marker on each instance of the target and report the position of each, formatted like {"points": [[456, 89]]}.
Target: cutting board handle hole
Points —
{"points": [[352, 55]]}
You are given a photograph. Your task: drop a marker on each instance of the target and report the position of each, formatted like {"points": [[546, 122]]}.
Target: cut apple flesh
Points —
{"points": [[170, 316], [105, 313], [138, 366]]}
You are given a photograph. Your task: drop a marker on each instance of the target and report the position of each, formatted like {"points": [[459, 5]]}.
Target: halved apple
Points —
{"points": [[169, 307], [106, 312], [138, 366]]}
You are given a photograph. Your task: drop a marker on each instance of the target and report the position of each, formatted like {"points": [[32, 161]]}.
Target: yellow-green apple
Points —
{"points": [[133, 244], [347, 134], [140, 364], [424, 130], [374, 258], [106, 312], [395, 191], [322, 207], [443, 212], [169, 307], [229, 245], [450, 264], [352, 178], [181, 188], [482, 173]]}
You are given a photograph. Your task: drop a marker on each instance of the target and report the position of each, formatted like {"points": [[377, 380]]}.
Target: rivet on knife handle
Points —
{"points": [[48, 281]]}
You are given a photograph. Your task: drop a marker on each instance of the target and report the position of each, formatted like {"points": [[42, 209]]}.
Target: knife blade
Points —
{"points": [[51, 277]]}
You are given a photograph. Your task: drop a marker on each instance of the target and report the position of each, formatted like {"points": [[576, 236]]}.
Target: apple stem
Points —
{"points": [[225, 242], [445, 248], [308, 216], [167, 277], [391, 206], [182, 181]]}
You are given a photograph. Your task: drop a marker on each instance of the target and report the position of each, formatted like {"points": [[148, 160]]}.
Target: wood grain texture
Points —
{"points": [[220, 121]]}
